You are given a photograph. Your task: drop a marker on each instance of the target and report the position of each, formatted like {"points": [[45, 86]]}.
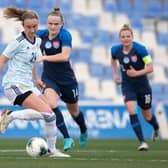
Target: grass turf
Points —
{"points": [[99, 153]]}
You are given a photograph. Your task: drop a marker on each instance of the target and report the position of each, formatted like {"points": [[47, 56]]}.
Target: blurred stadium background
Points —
{"points": [[94, 25]]}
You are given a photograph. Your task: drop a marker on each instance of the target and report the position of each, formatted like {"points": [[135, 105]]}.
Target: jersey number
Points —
{"points": [[147, 98], [33, 59], [75, 92]]}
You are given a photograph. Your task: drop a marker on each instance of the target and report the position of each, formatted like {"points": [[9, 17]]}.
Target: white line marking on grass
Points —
{"points": [[112, 158], [19, 158], [76, 158], [12, 150], [81, 159], [96, 151], [78, 151], [74, 151]]}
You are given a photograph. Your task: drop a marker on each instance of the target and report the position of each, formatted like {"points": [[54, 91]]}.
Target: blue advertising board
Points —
{"points": [[103, 121]]}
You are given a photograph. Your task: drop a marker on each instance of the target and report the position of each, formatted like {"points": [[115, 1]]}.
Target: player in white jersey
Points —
{"points": [[21, 55]]}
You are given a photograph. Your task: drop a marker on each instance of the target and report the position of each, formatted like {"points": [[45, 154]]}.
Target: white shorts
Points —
{"points": [[14, 91]]}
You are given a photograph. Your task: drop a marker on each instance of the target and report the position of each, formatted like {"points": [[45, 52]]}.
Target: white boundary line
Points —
{"points": [[11, 150], [76, 158], [76, 151], [84, 159]]}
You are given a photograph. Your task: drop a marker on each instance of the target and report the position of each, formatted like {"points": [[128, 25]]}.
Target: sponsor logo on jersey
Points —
{"points": [[48, 44], [134, 58], [56, 44]]}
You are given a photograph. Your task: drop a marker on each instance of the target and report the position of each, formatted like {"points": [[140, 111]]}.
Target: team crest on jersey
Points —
{"points": [[56, 44], [48, 44], [126, 60], [134, 58]]}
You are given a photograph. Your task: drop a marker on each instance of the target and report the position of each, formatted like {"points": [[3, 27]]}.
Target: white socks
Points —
{"points": [[50, 129], [50, 134], [25, 114]]}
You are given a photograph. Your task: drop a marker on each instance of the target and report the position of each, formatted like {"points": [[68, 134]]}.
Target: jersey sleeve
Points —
{"points": [[11, 49], [66, 39], [39, 49], [41, 32], [114, 50], [142, 51], [147, 59], [112, 53]]}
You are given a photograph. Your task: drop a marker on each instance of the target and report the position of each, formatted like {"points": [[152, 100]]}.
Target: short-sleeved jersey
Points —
{"points": [[22, 55], [60, 72], [134, 58]]}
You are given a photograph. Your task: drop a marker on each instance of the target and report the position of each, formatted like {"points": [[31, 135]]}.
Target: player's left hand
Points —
{"points": [[131, 72]]}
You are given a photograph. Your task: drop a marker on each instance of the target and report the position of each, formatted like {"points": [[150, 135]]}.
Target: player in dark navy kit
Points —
{"points": [[135, 64], [58, 76]]}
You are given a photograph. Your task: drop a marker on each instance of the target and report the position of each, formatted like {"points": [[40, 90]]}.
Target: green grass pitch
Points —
{"points": [[99, 153]]}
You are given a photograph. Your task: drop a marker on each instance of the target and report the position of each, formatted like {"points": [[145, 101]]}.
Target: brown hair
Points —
{"points": [[19, 14], [124, 28], [56, 12]]}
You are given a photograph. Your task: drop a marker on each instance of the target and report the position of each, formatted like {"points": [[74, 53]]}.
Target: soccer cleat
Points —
{"points": [[83, 139], [143, 146], [57, 153], [155, 135], [68, 143], [4, 121]]}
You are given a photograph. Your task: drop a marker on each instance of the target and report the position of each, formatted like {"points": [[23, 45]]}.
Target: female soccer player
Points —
{"points": [[21, 55], [135, 64], [58, 76]]}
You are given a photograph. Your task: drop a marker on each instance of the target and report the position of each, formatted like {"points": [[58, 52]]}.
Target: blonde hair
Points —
{"points": [[124, 28], [56, 12], [19, 14]]}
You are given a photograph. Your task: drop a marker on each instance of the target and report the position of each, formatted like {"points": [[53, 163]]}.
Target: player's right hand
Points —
{"points": [[117, 80], [39, 84]]}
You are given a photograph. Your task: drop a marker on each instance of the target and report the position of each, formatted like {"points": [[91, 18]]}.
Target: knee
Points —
{"points": [[53, 104], [74, 112], [147, 115]]}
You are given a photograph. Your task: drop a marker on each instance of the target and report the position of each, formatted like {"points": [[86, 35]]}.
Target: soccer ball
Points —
{"points": [[36, 147]]}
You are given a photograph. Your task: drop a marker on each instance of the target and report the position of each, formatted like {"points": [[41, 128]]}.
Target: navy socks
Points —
{"points": [[154, 122], [60, 122], [137, 127], [81, 122]]}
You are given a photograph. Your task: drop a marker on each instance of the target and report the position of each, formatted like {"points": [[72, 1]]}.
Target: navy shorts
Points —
{"points": [[143, 95], [68, 92]]}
